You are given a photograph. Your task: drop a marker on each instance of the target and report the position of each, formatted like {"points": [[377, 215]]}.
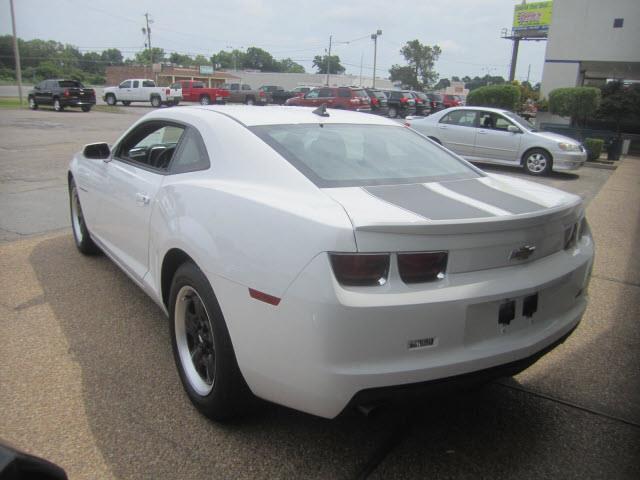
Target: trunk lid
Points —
{"points": [[481, 222]]}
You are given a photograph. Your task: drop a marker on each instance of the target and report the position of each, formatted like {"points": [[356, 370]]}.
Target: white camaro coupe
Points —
{"points": [[325, 259]]}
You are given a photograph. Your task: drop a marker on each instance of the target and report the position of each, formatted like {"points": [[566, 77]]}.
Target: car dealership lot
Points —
{"points": [[87, 376]]}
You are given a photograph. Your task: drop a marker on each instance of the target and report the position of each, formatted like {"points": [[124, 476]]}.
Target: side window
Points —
{"points": [[494, 121], [245, 87], [151, 145], [312, 94], [176, 86], [42, 85], [136, 84], [126, 84], [344, 92], [192, 154], [324, 92], [462, 118], [148, 83], [234, 86]]}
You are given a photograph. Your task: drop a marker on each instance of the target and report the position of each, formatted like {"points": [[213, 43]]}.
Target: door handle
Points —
{"points": [[443, 127], [483, 132], [142, 199]]}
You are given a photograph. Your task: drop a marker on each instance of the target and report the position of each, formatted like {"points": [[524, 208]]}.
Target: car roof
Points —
{"points": [[249, 115], [479, 107]]}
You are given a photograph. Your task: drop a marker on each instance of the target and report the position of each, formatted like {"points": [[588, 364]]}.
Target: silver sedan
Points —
{"points": [[493, 135]]}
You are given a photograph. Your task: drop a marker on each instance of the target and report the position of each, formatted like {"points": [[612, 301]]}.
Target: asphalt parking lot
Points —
{"points": [[87, 378]]}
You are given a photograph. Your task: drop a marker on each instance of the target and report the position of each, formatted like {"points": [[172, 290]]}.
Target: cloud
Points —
{"points": [[450, 46]]}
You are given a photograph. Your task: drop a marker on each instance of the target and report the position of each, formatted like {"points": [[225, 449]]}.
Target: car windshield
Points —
{"points": [[522, 121], [349, 155], [361, 94], [69, 84]]}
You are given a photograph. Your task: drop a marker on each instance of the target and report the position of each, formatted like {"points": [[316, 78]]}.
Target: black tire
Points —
{"points": [[81, 235], [110, 99], [205, 100], [229, 395], [249, 101], [537, 162], [86, 108], [57, 106], [126, 103], [175, 102], [156, 102], [32, 103], [393, 112]]}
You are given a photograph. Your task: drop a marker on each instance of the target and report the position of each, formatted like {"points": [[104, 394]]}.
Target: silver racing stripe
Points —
{"points": [[425, 202], [482, 192]]}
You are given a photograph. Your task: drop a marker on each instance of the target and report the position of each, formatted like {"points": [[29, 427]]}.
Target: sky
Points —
{"points": [[467, 31]]}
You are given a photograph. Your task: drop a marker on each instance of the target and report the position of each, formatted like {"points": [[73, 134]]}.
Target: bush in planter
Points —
{"points": [[579, 103], [498, 96], [594, 148]]}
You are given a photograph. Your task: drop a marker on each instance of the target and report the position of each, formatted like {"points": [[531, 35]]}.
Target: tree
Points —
{"points": [[112, 56], [442, 84], [289, 66], [228, 60], [180, 59], [422, 59], [320, 62], [145, 57], [406, 75], [477, 82], [579, 103], [259, 59], [455, 79], [201, 60], [619, 102]]}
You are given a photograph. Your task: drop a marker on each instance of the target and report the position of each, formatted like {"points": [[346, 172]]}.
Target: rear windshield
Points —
{"points": [[349, 155], [436, 97], [69, 84], [378, 94], [361, 94]]}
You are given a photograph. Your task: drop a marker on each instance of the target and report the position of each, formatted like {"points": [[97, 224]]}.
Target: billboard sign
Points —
{"points": [[530, 17], [206, 69]]}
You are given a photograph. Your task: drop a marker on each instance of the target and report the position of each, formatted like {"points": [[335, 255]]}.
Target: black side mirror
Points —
{"points": [[20, 465], [97, 151]]}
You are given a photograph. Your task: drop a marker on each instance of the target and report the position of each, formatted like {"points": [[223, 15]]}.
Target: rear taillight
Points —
{"points": [[167, 91], [261, 94], [404, 100], [375, 101], [422, 267], [407, 124], [66, 93], [360, 269]]}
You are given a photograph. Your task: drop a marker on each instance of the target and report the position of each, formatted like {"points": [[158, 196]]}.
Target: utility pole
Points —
{"points": [[16, 52], [329, 60], [361, 58], [528, 73], [148, 32], [374, 37]]}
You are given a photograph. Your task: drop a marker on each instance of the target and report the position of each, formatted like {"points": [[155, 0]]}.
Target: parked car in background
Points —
{"points": [[492, 135], [278, 94], [60, 93], [301, 91], [378, 100], [436, 102], [141, 90], [243, 93], [400, 103], [195, 91], [345, 98], [320, 268], [451, 101], [423, 105]]}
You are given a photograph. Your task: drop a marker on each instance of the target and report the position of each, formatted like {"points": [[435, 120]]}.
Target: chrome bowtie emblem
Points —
{"points": [[522, 253]]}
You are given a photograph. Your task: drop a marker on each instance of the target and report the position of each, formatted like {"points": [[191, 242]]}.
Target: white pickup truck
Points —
{"points": [[142, 90]]}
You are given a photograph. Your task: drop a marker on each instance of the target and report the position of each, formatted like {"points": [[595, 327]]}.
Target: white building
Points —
{"points": [[591, 41]]}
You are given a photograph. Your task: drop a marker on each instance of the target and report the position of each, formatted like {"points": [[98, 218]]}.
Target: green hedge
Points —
{"points": [[594, 147], [498, 96], [579, 103]]}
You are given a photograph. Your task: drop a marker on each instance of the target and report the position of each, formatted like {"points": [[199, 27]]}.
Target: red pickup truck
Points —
{"points": [[194, 91]]}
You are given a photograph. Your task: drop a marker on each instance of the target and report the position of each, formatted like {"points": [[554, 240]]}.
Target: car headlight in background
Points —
{"points": [[569, 147]]}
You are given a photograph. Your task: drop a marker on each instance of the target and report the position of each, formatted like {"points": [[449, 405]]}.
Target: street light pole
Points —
{"points": [[374, 37], [329, 60], [16, 52]]}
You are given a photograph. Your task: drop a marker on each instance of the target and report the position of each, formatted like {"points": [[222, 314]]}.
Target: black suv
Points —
{"points": [[61, 94], [400, 103], [378, 102], [437, 103], [423, 104]]}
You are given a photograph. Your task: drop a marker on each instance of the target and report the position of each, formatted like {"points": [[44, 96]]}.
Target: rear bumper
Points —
{"points": [[73, 102], [563, 161], [324, 343]]}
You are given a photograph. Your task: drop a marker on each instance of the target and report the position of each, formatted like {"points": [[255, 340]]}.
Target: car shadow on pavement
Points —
{"points": [[503, 169], [145, 427]]}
